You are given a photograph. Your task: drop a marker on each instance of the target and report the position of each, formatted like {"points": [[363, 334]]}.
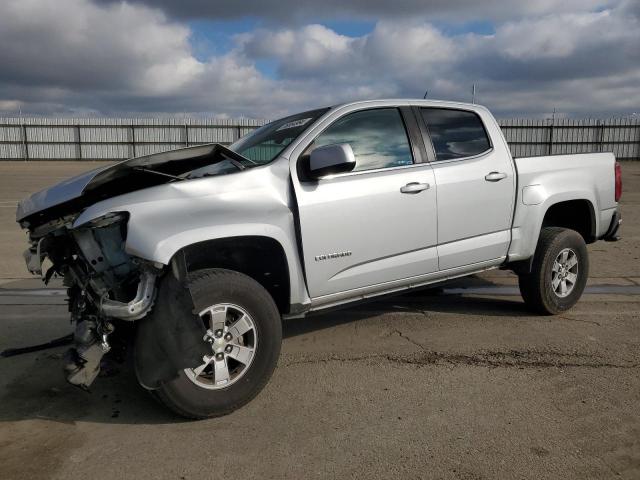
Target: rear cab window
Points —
{"points": [[455, 134]]}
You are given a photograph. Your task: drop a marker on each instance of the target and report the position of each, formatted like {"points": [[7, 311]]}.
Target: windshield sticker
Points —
{"points": [[293, 124]]}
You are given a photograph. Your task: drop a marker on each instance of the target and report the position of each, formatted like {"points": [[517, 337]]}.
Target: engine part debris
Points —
{"points": [[57, 342], [83, 361]]}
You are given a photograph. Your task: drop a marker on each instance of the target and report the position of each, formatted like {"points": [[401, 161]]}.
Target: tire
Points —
{"points": [[542, 289], [211, 287]]}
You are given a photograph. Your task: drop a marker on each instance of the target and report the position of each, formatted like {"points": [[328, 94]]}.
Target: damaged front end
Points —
{"points": [[116, 236], [105, 284]]}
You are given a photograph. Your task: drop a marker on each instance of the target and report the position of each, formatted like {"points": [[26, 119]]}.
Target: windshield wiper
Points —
{"points": [[156, 172], [236, 164], [231, 155], [232, 161]]}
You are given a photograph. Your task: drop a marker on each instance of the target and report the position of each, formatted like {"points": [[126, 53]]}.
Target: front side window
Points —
{"points": [[455, 133], [378, 138]]}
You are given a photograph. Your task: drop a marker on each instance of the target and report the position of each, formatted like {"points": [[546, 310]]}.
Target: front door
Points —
{"points": [[376, 224]]}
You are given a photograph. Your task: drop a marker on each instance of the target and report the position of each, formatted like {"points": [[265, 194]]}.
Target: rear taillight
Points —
{"points": [[618, 182]]}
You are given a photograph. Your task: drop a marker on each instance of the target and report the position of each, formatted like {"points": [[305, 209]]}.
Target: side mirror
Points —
{"points": [[330, 159]]}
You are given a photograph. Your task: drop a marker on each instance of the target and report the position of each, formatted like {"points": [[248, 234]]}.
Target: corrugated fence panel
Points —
{"points": [[11, 134], [529, 138], [97, 134], [159, 134], [50, 134], [204, 134], [120, 138], [52, 151], [10, 150], [106, 152]]}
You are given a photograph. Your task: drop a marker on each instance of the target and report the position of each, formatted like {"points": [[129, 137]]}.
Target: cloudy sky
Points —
{"points": [[266, 58]]}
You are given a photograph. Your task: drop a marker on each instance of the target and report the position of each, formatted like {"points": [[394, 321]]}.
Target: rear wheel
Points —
{"points": [[559, 272], [243, 333]]}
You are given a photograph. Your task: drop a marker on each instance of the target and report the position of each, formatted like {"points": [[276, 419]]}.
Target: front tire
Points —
{"points": [[244, 331], [559, 272]]}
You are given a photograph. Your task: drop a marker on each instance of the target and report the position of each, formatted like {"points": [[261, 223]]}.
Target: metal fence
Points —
{"points": [[530, 138], [111, 138], [118, 138]]}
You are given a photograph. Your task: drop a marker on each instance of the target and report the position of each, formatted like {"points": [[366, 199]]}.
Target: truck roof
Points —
{"points": [[414, 101]]}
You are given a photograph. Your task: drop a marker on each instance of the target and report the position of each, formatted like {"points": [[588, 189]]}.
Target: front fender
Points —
{"points": [[169, 217]]}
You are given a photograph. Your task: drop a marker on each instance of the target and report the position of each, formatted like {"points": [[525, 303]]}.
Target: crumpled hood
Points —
{"points": [[60, 193], [74, 194]]}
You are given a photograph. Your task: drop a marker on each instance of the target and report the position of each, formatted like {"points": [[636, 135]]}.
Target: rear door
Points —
{"points": [[475, 184], [365, 228]]}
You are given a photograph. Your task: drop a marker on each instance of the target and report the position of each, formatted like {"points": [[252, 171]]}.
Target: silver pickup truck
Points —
{"points": [[194, 256]]}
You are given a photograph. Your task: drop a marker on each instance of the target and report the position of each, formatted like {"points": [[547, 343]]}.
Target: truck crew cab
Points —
{"points": [[205, 249]]}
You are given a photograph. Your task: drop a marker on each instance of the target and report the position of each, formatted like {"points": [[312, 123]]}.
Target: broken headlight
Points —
{"points": [[106, 220]]}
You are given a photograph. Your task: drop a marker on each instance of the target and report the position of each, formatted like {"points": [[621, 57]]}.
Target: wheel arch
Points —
{"points": [[577, 214], [260, 257], [555, 211]]}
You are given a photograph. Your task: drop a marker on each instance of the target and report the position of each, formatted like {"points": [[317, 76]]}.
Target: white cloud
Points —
{"points": [[73, 56], [74, 42], [406, 44], [10, 105], [559, 36], [306, 51], [575, 62]]}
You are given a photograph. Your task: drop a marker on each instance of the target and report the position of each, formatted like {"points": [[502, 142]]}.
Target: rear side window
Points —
{"points": [[455, 133]]}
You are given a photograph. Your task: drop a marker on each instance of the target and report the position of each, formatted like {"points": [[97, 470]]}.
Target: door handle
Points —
{"points": [[495, 176], [414, 187]]}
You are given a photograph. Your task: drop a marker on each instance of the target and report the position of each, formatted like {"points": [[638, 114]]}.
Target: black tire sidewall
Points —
{"points": [[210, 287], [562, 239]]}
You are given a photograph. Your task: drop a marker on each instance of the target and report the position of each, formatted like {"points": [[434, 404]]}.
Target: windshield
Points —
{"points": [[265, 144]]}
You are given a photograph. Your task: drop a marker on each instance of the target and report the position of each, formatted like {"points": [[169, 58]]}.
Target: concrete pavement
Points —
{"points": [[460, 384]]}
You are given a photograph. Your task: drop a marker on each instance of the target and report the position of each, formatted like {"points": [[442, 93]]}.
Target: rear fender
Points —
{"points": [[529, 217]]}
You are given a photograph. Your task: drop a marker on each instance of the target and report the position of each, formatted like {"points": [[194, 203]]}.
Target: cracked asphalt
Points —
{"points": [[455, 383]]}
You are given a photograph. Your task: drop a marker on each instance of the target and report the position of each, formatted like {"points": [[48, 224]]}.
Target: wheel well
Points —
{"points": [[261, 258], [577, 215]]}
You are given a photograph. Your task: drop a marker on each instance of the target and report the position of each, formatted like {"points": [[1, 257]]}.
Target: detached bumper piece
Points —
{"points": [[612, 234]]}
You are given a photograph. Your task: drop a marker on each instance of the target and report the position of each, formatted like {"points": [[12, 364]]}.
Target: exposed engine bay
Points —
{"points": [[104, 284]]}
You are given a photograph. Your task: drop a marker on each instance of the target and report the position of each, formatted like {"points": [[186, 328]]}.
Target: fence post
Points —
{"points": [[551, 135], [186, 134], [638, 129], [239, 131], [25, 145], [78, 142], [600, 136], [133, 141]]}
